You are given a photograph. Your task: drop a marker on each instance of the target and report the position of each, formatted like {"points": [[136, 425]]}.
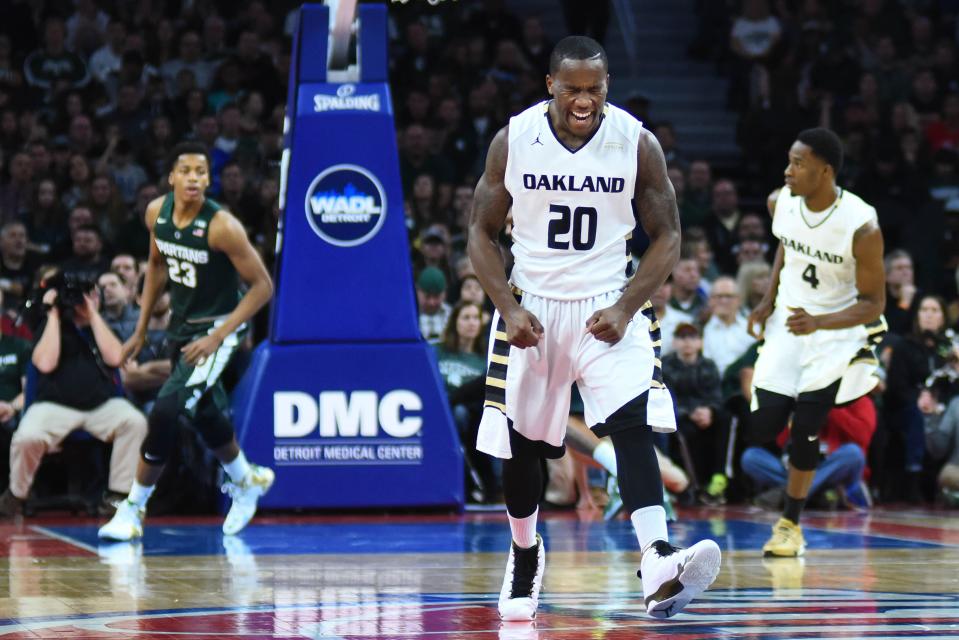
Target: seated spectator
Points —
{"points": [[902, 296], [47, 226], [669, 317], [16, 265], [696, 245], [87, 260], [431, 298], [119, 314], [725, 336], [698, 194], [721, 224], [125, 265], [14, 358], [589, 449], [12, 321], [688, 295], [844, 441], [53, 69], [695, 384], [76, 357], [143, 378], [461, 358], [752, 280], [913, 359], [472, 291], [942, 442]]}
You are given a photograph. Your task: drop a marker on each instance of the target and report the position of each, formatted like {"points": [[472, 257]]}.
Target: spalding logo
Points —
{"points": [[345, 205]]}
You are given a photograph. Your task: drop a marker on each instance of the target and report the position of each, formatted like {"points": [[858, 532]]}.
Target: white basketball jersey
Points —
{"points": [[572, 210], [819, 270]]}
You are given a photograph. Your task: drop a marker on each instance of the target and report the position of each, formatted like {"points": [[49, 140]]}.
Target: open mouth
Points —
{"points": [[580, 117]]}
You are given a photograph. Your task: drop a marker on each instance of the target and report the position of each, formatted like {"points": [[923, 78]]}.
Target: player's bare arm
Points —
{"points": [[491, 203], [659, 216], [758, 316], [154, 282], [867, 247], [228, 235]]}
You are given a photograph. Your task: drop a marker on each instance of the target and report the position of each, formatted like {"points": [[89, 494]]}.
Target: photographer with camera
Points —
{"points": [[75, 356]]}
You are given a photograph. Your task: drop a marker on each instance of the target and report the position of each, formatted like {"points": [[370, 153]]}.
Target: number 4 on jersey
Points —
{"points": [[809, 275]]}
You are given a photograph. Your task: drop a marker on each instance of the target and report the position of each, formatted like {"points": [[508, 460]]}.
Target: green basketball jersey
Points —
{"points": [[204, 284]]}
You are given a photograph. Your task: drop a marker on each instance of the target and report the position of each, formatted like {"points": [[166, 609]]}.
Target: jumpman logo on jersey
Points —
{"points": [[536, 141]]}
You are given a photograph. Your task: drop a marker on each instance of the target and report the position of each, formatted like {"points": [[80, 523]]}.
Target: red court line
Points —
{"points": [[18, 541]]}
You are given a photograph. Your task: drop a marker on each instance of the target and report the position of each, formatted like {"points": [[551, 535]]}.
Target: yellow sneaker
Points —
{"points": [[786, 541]]}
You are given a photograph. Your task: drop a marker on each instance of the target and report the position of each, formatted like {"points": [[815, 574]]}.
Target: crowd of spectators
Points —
{"points": [[93, 96], [881, 73]]}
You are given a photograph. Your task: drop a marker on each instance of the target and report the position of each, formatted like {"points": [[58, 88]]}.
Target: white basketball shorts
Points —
{"points": [[790, 365], [528, 390]]}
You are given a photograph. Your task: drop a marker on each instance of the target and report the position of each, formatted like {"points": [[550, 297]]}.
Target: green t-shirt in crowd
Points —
{"points": [[730, 383], [458, 368], [14, 357]]}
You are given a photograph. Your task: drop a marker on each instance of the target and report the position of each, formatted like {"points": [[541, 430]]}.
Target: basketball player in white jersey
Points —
{"points": [[570, 168], [820, 317]]}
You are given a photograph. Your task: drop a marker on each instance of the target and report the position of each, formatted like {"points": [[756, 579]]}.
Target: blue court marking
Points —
{"points": [[462, 537]]}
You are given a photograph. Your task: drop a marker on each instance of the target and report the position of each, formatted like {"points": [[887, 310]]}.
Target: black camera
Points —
{"points": [[71, 288]]}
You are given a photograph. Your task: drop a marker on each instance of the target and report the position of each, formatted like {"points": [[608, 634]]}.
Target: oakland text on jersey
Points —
{"points": [[811, 252], [604, 184], [173, 250]]}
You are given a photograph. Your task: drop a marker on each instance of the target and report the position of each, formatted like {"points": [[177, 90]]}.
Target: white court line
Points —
{"points": [[63, 538]]}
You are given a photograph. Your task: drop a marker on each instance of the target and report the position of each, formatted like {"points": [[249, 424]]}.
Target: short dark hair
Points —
{"points": [[92, 228], [188, 148], [576, 48], [825, 144]]}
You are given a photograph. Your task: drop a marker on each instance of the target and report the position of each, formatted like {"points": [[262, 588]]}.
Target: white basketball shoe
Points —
{"points": [[521, 584], [126, 524], [245, 495], [672, 577]]}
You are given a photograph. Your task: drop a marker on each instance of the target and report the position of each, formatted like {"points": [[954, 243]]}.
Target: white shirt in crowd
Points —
{"points": [[723, 343], [670, 318]]}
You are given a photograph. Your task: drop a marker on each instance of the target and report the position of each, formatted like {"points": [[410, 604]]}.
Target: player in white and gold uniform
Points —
{"points": [[820, 318], [572, 169]]}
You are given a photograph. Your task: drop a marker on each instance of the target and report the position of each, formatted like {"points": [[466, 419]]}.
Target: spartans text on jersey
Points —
{"points": [[173, 250]]}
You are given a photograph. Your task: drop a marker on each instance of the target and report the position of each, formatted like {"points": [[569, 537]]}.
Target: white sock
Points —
{"points": [[650, 525], [238, 469], [605, 454], [139, 494], [524, 529]]}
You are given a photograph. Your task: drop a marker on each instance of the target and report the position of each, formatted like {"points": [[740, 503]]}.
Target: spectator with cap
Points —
{"points": [[431, 298], [434, 246], [701, 419]]}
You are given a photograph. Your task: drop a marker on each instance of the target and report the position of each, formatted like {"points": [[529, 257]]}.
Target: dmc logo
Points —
{"points": [[346, 90], [345, 205], [359, 414]]}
